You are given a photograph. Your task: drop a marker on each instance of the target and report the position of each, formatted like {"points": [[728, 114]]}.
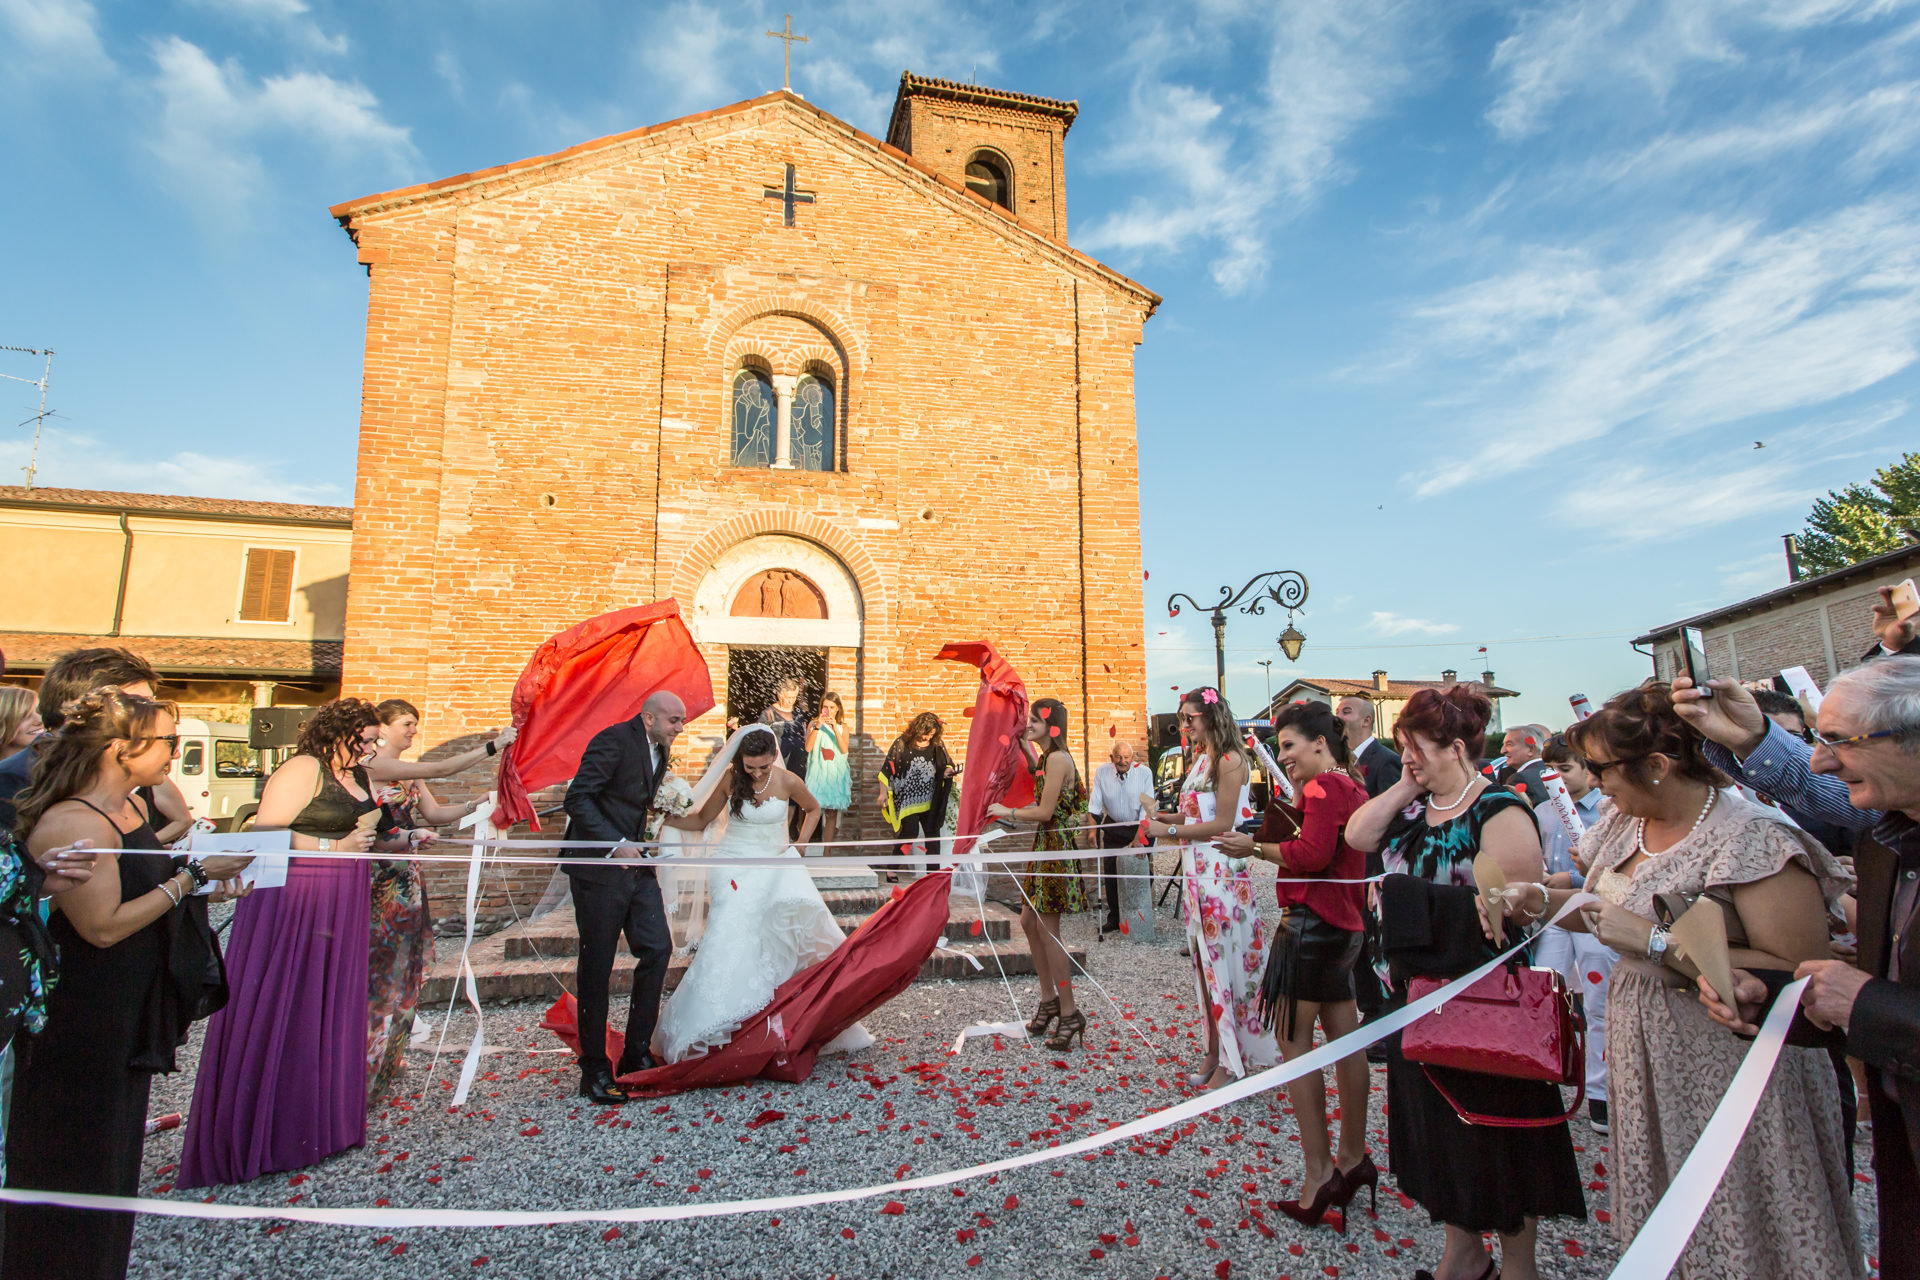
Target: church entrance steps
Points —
{"points": [[535, 960]]}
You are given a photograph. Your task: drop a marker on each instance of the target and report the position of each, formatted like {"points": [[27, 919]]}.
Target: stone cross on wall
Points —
{"points": [[788, 196]]}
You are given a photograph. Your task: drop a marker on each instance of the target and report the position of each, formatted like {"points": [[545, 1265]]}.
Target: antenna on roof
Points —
{"points": [[40, 418]]}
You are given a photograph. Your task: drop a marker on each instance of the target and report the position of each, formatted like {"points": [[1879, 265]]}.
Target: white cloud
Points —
{"points": [[1562, 49], [447, 67], [75, 460], [1237, 171], [1384, 623], [51, 38], [286, 16], [214, 119], [1715, 322]]}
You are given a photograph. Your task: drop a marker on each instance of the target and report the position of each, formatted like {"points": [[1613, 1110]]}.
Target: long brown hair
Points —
{"points": [[1640, 723], [759, 742], [1217, 726], [70, 764]]}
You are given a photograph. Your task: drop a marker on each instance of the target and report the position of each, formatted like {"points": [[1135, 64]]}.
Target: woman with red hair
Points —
{"points": [[1432, 824]]}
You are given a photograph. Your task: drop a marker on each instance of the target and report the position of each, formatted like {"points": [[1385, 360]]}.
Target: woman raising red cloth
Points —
{"points": [[1310, 969]]}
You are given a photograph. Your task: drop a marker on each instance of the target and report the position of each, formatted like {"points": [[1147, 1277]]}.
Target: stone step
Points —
{"points": [[536, 961]]}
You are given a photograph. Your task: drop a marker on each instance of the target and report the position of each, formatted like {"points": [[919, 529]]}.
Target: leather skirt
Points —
{"points": [[1309, 960]]}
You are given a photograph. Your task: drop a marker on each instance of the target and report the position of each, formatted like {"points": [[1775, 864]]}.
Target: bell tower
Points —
{"points": [[1006, 147]]}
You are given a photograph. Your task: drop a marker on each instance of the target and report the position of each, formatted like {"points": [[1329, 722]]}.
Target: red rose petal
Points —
{"points": [[611, 1233], [846, 1233], [1013, 1202], [893, 1207], [1221, 1268], [974, 1261]]}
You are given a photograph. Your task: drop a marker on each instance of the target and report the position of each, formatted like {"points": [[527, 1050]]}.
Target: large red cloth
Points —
{"points": [[587, 678], [876, 963], [996, 769]]}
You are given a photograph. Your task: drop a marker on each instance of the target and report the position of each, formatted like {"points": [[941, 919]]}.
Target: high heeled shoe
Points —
{"points": [[1045, 1016], [1332, 1192], [1491, 1273], [1071, 1025], [1366, 1174]]}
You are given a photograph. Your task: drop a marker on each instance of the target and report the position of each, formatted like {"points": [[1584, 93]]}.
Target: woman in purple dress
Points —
{"points": [[283, 1076]]}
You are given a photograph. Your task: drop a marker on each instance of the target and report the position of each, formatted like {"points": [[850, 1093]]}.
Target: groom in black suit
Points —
{"points": [[608, 801]]}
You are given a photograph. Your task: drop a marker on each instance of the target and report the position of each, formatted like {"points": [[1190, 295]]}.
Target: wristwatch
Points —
{"points": [[325, 844], [1173, 829], [1657, 945]]}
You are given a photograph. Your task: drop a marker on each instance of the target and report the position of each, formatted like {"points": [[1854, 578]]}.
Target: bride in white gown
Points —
{"points": [[763, 924]]}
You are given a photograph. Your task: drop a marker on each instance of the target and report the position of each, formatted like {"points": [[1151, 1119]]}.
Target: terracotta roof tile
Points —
{"points": [[175, 504], [238, 658], [1397, 689]]}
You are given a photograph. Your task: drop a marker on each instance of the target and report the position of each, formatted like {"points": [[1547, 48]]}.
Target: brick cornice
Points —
{"points": [[830, 537], [838, 329]]}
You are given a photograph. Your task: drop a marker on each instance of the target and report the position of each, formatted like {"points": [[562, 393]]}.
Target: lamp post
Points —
{"points": [[1284, 587], [1268, 664]]}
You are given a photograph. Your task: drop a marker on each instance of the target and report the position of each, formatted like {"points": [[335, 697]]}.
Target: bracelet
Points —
{"points": [[491, 749], [171, 892], [325, 843], [198, 872], [1657, 945]]}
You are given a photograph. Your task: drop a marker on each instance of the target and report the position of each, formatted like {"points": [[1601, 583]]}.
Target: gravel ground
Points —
{"points": [[1195, 1204]]}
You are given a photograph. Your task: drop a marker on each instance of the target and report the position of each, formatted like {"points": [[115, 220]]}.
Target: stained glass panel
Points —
{"points": [[813, 422], [753, 419]]}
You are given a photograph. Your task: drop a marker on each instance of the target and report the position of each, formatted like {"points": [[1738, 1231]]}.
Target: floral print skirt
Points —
{"points": [[1229, 947], [402, 942]]}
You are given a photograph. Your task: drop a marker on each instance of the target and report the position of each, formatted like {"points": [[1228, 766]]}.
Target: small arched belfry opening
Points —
{"points": [[990, 176]]}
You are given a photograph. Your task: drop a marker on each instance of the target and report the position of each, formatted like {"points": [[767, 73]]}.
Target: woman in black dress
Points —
{"points": [[115, 1017], [1473, 1178]]}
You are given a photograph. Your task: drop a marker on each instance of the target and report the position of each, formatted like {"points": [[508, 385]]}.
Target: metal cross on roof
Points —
{"points": [[788, 195], [786, 70]]}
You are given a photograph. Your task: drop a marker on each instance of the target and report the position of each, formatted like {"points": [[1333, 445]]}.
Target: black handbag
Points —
{"points": [[193, 986]]}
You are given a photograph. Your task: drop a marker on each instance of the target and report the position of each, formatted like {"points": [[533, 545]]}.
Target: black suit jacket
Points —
{"points": [[1884, 1028], [1912, 650], [609, 797], [1379, 767]]}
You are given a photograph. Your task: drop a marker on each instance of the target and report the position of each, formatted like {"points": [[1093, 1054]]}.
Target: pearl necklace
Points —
{"points": [[1457, 800], [1640, 829], [762, 788]]}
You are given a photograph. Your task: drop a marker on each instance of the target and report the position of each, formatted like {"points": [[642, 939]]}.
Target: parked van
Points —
{"points": [[220, 775]]}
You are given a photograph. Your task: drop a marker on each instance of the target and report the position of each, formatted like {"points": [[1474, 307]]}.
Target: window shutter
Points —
{"points": [[280, 587], [266, 593]]}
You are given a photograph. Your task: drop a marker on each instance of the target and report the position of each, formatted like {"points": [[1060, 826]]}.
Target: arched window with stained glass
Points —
{"points": [[813, 424], [753, 419]]}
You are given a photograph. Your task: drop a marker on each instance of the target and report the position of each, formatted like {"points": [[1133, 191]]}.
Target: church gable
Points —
{"points": [[655, 164]]}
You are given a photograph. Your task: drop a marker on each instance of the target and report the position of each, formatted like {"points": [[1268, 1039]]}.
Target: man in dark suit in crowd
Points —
{"points": [[1522, 747], [608, 801], [1380, 768], [1379, 764], [1861, 772]]}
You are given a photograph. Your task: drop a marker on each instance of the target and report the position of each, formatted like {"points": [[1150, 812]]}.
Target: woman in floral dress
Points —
{"points": [[1224, 931], [1052, 887], [401, 932]]}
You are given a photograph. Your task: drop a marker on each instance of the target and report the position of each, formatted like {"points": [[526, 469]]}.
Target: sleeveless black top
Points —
{"points": [[334, 810]]}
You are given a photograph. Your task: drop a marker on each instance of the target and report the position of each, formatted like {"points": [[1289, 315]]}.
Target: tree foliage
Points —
{"points": [[1858, 522]]}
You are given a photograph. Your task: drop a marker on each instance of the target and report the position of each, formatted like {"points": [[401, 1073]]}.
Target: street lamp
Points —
{"points": [[1268, 664], [1284, 587]]}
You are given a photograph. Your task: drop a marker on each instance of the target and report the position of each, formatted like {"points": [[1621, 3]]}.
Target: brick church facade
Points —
{"points": [[845, 400]]}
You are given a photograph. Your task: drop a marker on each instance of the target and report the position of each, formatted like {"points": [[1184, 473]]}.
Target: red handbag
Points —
{"points": [[1518, 1023]]}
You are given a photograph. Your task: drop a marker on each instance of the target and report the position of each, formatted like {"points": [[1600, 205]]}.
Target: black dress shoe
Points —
{"points": [[599, 1086], [642, 1061]]}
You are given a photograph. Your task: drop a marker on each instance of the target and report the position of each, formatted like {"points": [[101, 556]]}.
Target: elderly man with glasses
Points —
{"points": [[1860, 771]]}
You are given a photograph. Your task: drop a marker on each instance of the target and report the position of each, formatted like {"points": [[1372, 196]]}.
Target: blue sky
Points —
{"points": [[1474, 313]]}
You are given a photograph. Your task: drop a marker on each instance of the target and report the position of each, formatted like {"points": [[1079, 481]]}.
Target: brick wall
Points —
{"points": [[945, 135], [546, 414]]}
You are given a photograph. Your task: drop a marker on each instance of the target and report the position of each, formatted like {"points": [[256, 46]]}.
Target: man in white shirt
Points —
{"points": [[1122, 792]]}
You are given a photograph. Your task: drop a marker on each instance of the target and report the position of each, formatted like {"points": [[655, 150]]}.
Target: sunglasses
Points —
{"points": [[171, 739], [1598, 768], [1819, 739]]}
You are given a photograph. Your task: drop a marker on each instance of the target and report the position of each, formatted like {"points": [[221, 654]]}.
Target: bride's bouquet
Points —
{"points": [[673, 798]]}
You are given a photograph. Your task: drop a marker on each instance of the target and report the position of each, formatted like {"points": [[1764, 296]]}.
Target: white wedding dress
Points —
{"points": [[763, 925]]}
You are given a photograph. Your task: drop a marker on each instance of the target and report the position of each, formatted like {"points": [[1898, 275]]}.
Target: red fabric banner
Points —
{"points": [[996, 770], [587, 678], [877, 962]]}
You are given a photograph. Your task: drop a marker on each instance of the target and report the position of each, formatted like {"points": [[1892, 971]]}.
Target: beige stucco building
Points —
{"points": [[236, 604]]}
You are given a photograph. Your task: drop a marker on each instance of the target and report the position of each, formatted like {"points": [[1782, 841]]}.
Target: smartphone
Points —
{"points": [[1905, 600], [1696, 647]]}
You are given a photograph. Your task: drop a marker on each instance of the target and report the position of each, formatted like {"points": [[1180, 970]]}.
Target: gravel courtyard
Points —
{"points": [[1191, 1203]]}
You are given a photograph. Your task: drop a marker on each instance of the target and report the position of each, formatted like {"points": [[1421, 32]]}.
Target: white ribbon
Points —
{"points": [[481, 820], [1663, 1236], [1234, 1091]]}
